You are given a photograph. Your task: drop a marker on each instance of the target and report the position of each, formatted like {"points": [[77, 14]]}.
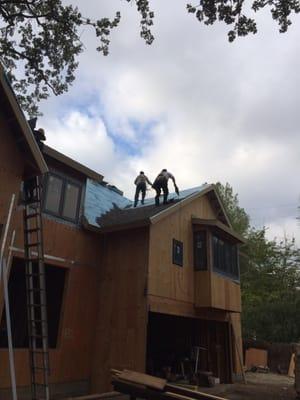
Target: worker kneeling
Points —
{"points": [[161, 184], [140, 182]]}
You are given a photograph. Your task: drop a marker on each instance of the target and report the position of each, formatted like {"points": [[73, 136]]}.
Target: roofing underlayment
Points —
{"points": [[105, 208]]}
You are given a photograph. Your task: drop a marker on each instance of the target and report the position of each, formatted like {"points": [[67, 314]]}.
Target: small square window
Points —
{"points": [[177, 252]]}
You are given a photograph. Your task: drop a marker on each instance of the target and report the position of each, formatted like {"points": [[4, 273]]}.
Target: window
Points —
{"points": [[55, 283], [225, 257], [62, 197], [200, 251], [177, 252]]}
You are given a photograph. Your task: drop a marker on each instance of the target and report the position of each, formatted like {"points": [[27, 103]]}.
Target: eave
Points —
{"points": [[49, 151], [219, 226]]}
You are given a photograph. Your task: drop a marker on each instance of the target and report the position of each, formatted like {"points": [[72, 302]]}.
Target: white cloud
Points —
{"points": [[217, 111]]}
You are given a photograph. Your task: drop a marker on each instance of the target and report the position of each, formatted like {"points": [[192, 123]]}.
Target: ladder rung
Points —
{"points": [[36, 305], [41, 384], [39, 352], [38, 336], [31, 215], [33, 244], [37, 320], [31, 202], [34, 259], [31, 230]]}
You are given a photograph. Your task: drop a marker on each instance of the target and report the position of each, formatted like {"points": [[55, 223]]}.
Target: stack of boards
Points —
{"points": [[138, 385]]}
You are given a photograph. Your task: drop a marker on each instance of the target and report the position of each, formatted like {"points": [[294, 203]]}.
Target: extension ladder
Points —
{"points": [[36, 290]]}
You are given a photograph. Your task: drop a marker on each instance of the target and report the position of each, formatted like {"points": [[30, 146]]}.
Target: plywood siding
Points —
{"points": [[71, 360], [216, 291], [203, 289], [120, 329], [11, 167], [169, 281], [226, 294], [166, 279]]}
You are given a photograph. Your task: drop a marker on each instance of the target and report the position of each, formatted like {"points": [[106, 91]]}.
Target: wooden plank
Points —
{"points": [[195, 394], [256, 357], [291, 372], [238, 349], [139, 391], [96, 396], [143, 379]]}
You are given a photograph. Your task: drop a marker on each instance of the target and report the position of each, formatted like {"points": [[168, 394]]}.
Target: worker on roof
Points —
{"points": [[161, 183], [141, 186]]}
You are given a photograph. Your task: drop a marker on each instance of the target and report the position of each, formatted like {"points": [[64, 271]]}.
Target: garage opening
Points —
{"points": [[179, 347], [55, 283]]}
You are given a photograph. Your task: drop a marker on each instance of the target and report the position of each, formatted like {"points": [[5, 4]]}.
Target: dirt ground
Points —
{"points": [[259, 386]]}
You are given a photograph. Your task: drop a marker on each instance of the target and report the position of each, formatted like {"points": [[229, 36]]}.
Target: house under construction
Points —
{"points": [[136, 288]]}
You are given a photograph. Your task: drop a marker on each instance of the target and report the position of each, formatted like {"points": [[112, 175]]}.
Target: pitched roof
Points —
{"points": [[106, 210], [19, 119]]}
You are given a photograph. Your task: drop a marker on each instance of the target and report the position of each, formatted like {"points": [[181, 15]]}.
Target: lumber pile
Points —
{"points": [[138, 385]]}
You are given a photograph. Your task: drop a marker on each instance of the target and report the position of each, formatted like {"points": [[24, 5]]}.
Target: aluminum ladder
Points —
{"points": [[37, 324]]}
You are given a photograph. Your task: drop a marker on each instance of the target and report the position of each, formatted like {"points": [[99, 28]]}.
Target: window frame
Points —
{"points": [[234, 247], [65, 180], [175, 261], [206, 236]]}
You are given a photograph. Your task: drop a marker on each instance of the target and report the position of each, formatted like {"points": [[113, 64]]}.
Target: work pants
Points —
{"points": [[161, 185], [140, 187]]}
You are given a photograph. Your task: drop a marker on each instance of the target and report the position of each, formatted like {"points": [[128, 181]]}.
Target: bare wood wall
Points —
{"points": [[11, 167], [214, 290], [180, 290], [71, 360], [121, 327], [166, 279]]}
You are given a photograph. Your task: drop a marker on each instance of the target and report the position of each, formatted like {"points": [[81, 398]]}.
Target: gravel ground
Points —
{"points": [[259, 387]]}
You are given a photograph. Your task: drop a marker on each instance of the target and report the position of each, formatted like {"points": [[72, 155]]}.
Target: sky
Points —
{"points": [[205, 109]]}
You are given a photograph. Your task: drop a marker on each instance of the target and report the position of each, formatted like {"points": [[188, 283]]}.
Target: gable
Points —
{"points": [[213, 198]]}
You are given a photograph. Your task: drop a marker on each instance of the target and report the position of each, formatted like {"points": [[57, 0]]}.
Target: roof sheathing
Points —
{"points": [[22, 123], [99, 200], [106, 210]]}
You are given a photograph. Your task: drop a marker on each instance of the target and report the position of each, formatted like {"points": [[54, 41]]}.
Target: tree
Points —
{"points": [[233, 13], [238, 217], [270, 278], [43, 36]]}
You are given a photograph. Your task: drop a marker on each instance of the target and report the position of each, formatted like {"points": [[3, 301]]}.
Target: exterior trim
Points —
{"points": [[49, 151], [187, 200], [220, 225]]}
